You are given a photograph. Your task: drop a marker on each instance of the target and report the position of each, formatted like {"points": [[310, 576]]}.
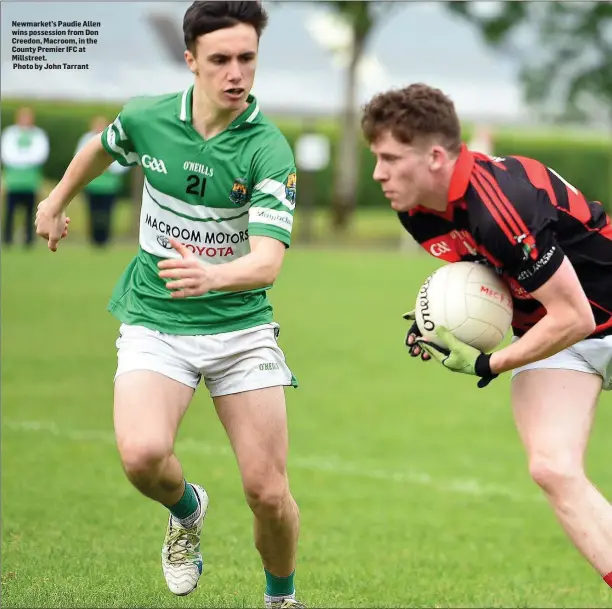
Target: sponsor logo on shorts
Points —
{"points": [[269, 366]]}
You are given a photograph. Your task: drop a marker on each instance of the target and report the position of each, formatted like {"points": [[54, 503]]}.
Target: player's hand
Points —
{"points": [[411, 337], [459, 357], [51, 224], [189, 276]]}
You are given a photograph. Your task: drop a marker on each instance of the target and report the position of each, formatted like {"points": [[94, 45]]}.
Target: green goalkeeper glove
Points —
{"points": [[412, 336], [459, 357]]}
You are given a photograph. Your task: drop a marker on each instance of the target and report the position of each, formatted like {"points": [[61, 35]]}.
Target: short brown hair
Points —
{"points": [[411, 112]]}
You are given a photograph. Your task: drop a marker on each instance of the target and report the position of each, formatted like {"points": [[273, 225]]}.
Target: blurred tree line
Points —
{"points": [[566, 72], [572, 69], [569, 78]]}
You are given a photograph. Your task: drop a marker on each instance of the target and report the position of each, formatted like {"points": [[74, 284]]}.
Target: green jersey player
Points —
{"points": [[217, 211]]}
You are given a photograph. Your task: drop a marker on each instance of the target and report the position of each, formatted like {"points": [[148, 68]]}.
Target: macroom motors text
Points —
{"points": [[196, 236]]}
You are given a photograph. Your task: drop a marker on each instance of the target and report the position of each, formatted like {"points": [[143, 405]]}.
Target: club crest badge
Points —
{"points": [[239, 195], [290, 187]]}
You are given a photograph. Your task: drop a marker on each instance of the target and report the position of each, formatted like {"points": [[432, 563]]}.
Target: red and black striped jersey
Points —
{"points": [[521, 218]]}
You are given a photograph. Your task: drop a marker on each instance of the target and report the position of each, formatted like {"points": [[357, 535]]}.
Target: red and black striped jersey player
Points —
{"points": [[554, 249]]}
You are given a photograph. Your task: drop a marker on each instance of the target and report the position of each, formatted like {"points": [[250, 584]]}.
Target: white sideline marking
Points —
{"points": [[317, 464]]}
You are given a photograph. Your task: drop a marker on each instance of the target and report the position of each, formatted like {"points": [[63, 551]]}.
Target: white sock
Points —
{"points": [[277, 599]]}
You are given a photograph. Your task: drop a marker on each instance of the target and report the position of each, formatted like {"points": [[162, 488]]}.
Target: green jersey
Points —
{"points": [[110, 181], [24, 152], [210, 194]]}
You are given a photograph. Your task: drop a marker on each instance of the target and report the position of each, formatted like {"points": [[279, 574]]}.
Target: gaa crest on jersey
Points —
{"points": [[238, 195], [290, 187]]}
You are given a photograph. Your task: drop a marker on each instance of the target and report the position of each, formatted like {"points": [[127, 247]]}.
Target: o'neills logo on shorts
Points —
{"points": [[428, 323], [269, 366]]}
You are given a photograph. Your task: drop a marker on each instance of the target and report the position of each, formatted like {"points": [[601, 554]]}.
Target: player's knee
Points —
{"points": [[556, 473], [142, 460], [266, 495]]}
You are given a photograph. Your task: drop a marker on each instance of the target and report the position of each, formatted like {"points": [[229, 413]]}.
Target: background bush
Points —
{"points": [[585, 160]]}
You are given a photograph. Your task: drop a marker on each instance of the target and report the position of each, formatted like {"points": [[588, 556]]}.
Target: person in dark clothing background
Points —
{"points": [[102, 192], [25, 149]]}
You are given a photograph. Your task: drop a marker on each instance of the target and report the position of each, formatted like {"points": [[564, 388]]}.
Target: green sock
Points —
{"points": [[279, 586], [186, 505]]}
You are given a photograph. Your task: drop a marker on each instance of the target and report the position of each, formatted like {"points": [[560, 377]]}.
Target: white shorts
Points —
{"points": [[593, 356], [230, 362]]}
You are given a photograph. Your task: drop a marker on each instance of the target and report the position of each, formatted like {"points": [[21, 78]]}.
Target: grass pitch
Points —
{"points": [[412, 485]]}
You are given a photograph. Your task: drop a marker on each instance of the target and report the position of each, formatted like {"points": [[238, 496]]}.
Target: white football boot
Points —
{"points": [[286, 603], [181, 554]]}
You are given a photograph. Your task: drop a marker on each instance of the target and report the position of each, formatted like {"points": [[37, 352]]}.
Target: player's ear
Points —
{"points": [[190, 61], [437, 157]]}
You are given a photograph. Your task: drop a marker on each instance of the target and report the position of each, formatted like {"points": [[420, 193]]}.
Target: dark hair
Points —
{"points": [[207, 16], [412, 112]]}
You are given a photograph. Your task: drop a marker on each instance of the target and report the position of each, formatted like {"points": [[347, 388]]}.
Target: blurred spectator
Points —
{"points": [[101, 192], [25, 149]]}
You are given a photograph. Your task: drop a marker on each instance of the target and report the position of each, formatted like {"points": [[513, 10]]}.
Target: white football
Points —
{"points": [[469, 300]]}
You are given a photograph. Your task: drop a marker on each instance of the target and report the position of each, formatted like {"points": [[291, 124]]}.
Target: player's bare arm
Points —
{"points": [[257, 269], [569, 319], [189, 276], [86, 165], [51, 221]]}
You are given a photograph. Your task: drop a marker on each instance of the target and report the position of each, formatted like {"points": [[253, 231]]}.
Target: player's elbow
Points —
{"points": [[268, 260], [269, 272], [580, 324], [586, 324]]}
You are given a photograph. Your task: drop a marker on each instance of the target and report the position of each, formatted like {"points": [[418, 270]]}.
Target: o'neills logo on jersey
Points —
{"points": [[205, 170], [210, 244], [150, 162]]}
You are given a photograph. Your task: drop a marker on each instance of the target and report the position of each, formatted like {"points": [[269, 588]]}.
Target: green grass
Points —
{"points": [[412, 484]]}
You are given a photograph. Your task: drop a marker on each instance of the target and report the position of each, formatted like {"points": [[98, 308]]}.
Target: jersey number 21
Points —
{"points": [[196, 185]]}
